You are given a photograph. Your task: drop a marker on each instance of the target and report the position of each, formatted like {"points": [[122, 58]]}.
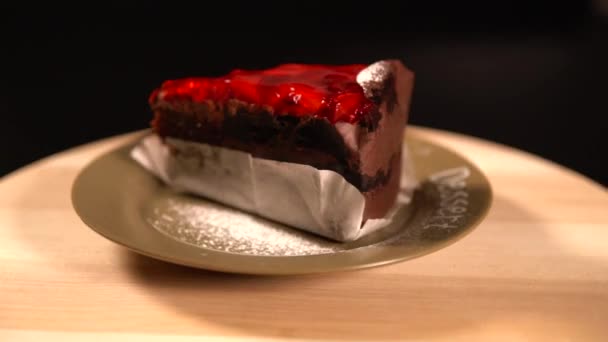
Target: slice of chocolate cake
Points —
{"points": [[349, 119]]}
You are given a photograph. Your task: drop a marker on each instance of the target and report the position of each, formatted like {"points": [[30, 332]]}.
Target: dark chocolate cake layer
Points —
{"points": [[365, 149], [306, 140]]}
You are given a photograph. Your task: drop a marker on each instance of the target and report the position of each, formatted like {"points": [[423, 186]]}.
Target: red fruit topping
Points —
{"points": [[324, 91]]}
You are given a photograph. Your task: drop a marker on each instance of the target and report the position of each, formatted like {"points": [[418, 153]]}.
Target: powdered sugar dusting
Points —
{"points": [[209, 225]]}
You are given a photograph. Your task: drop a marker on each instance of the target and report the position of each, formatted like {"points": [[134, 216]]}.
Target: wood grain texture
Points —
{"points": [[535, 269]]}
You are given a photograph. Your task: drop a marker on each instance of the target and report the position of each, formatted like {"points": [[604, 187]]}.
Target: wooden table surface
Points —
{"points": [[535, 269]]}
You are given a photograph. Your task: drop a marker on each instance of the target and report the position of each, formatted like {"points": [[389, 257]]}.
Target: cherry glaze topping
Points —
{"points": [[324, 91]]}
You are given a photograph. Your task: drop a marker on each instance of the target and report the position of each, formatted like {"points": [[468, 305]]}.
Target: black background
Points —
{"points": [[533, 77]]}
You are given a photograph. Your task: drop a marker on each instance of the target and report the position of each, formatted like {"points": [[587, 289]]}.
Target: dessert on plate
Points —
{"points": [[332, 136]]}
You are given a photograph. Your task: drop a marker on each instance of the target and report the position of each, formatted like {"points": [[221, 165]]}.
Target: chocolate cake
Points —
{"points": [[349, 119]]}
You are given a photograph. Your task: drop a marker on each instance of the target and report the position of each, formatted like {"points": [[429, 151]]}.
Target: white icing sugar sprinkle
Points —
{"points": [[213, 226]]}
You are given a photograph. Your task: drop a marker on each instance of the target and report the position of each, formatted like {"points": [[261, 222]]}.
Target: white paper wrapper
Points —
{"points": [[301, 196]]}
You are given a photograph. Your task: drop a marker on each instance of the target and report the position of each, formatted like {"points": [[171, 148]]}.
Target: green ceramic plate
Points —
{"points": [[122, 202]]}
